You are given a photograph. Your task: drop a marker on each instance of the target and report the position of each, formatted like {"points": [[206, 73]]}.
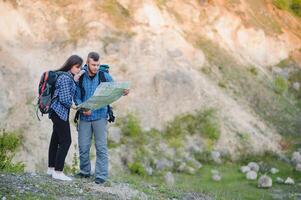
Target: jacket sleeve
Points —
{"points": [[77, 96], [64, 85]]}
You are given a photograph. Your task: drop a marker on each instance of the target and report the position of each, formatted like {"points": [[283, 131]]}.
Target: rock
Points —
{"points": [[193, 163], [214, 171], [253, 166], [216, 157], [289, 181], [245, 169], [274, 171], [296, 158], [190, 170], [265, 182], [251, 175], [169, 179], [149, 170], [216, 177], [298, 167], [296, 86], [164, 164], [279, 180], [186, 169], [114, 134]]}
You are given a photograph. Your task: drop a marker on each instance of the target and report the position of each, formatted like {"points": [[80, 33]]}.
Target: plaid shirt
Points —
{"points": [[64, 92], [90, 84]]}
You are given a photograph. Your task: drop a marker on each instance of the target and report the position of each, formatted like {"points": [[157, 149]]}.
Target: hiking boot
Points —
{"points": [[99, 181], [82, 175]]}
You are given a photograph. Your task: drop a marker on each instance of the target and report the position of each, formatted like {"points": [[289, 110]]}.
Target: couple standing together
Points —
{"points": [[70, 88]]}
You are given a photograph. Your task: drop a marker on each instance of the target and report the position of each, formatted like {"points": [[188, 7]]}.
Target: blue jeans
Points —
{"points": [[85, 132]]}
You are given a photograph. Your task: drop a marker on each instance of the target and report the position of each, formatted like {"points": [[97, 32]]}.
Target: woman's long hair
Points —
{"points": [[70, 62]]}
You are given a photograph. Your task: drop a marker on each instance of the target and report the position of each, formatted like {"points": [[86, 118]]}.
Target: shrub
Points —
{"points": [[280, 85], [136, 168], [9, 142]]}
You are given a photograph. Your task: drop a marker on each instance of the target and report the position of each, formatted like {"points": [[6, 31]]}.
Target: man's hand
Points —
{"points": [[87, 112], [126, 92]]}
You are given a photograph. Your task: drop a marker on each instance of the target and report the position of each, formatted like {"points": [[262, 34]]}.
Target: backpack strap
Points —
{"points": [[101, 77]]}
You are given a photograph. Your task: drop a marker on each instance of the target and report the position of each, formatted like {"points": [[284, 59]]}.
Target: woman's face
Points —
{"points": [[75, 69]]}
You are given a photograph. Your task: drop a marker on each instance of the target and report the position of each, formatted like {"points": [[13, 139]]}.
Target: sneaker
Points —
{"points": [[60, 176], [50, 170], [82, 175], [99, 181]]}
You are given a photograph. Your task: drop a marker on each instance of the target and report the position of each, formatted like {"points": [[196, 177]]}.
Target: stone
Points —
{"points": [[289, 181], [251, 175], [169, 179], [216, 157], [296, 158], [298, 167], [265, 182], [164, 164], [216, 177], [245, 169], [214, 171], [253, 166], [274, 170], [296, 86], [149, 170], [279, 180], [114, 134]]}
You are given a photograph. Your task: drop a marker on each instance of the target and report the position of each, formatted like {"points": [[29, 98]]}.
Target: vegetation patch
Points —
{"points": [[9, 143]]}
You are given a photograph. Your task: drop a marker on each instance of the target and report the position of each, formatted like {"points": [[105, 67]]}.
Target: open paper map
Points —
{"points": [[105, 94]]}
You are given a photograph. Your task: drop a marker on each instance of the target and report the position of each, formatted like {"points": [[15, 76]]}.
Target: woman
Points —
{"points": [[59, 114]]}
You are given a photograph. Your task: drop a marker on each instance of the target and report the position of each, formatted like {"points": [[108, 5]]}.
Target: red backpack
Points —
{"points": [[46, 91]]}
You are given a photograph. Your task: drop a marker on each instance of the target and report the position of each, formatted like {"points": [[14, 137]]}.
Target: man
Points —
{"points": [[92, 122]]}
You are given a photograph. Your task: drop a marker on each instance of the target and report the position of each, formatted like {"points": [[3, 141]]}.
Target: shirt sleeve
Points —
{"points": [[77, 96], [64, 91]]}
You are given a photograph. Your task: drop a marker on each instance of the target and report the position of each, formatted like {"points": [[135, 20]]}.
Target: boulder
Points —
{"points": [[245, 169], [253, 166], [265, 182], [251, 175], [289, 181], [169, 179], [274, 170]]}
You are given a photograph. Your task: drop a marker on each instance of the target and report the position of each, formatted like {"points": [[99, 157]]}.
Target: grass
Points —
{"points": [[293, 6], [233, 185], [9, 143]]}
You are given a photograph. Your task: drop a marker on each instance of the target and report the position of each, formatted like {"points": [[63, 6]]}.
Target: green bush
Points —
{"points": [[131, 126], [296, 7], [9, 142], [280, 85], [204, 122], [136, 168]]}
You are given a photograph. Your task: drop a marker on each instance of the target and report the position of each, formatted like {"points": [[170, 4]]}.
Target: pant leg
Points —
{"points": [[53, 146], [100, 135], [62, 129], [84, 144]]}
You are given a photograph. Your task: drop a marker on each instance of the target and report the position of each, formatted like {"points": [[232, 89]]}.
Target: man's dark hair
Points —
{"points": [[94, 56]]}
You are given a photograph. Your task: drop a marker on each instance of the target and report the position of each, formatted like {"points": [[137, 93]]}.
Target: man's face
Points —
{"points": [[93, 66]]}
